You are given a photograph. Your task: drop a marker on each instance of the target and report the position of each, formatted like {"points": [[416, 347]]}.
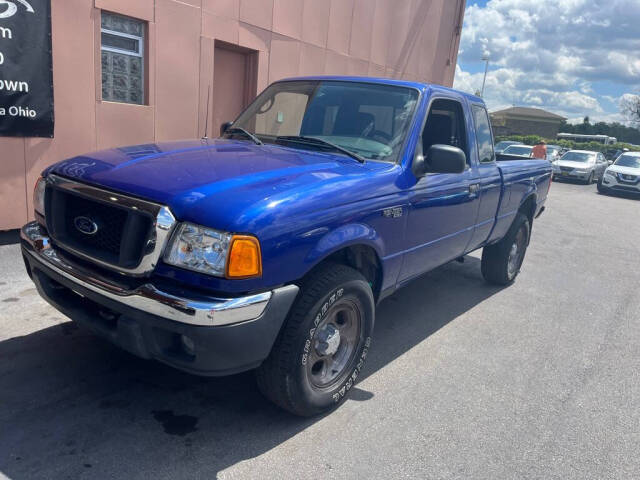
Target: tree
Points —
{"points": [[630, 107]]}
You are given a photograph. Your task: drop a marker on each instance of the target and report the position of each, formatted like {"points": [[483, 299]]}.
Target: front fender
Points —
{"points": [[342, 237]]}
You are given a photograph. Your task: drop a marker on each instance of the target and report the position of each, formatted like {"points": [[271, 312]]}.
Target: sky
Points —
{"points": [[571, 57]]}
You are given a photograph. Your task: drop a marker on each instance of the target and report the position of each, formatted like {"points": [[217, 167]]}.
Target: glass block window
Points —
{"points": [[122, 49]]}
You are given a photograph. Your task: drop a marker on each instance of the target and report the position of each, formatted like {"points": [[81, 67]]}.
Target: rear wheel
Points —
{"points": [[323, 344], [501, 262]]}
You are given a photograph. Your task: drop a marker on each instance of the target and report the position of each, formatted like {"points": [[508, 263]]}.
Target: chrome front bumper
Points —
{"points": [[571, 175], [201, 311]]}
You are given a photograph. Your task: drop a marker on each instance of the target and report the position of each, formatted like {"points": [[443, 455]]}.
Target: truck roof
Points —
{"points": [[386, 81]]}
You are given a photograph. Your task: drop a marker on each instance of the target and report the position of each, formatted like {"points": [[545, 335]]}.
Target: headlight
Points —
{"points": [[214, 252], [38, 195], [611, 174]]}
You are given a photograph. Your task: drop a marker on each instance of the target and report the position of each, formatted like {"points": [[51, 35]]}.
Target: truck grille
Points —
{"points": [[111, 222], [120, 237]]}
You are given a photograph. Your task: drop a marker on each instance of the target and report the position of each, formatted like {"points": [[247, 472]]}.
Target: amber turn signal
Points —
{"points": [[245, 260]]}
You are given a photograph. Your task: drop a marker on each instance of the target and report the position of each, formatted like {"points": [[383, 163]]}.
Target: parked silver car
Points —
{"points": [[519, 150], [501, 146], [553, 153], [582, 165]]}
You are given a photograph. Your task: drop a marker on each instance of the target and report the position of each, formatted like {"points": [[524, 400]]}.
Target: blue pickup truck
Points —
{"points": [[269, 247]]}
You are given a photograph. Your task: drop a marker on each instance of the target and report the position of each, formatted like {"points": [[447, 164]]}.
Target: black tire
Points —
{"points": [[589, 180], [601, 187], [496, 258], [287, 377]]}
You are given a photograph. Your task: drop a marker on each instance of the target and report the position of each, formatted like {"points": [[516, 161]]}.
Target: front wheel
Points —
{"points": [[601, 187], [590, 179], [501, 261], [323, 343]]}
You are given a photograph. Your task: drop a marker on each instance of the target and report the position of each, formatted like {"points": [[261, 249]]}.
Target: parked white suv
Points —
{"points": [[623, 175]]}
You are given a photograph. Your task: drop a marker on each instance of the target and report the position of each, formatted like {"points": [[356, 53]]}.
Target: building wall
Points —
{"points": [[409, 39], [514, 126]]}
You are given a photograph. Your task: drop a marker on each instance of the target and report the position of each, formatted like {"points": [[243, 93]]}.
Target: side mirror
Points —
{"points": [[609, 162], [224, 127], [440, 159]]}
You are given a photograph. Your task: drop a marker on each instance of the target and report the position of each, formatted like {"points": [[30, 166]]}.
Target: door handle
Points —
{"points": [[473, 190]]}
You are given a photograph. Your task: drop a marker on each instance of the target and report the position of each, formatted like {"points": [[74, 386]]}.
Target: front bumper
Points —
{"points": [[571, 175], [610, 182], [228, 335]]}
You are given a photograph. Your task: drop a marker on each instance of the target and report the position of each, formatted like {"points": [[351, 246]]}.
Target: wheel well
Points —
{"points": [[362, 258], [529, 208]]}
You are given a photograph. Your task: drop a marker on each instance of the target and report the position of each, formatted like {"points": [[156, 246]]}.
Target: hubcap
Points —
{"points": [[328, 341], [334, 344], [516, 253]]}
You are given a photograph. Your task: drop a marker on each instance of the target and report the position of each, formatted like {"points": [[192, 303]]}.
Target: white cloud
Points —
{"points": [[549, 53]]}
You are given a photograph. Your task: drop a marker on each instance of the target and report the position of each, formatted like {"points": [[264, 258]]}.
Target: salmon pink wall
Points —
{"points": [[410, 39]]}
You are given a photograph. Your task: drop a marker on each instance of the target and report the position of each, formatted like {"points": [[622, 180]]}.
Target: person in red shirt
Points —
{"points": [[539, 150]]}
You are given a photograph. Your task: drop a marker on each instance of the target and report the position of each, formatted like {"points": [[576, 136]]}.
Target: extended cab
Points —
{"points": [[269, 247]]}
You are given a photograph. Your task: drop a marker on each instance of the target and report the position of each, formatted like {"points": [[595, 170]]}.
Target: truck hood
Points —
{"points": [[226, 184]]}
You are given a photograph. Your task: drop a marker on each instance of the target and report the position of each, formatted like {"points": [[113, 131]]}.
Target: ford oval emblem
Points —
{"points": [[85, 225]]}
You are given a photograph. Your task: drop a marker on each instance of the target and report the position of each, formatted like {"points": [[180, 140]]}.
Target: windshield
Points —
{"points": [[518, 150], [551, 149], [367, 119], [582, 157], [632, 161], [503, 145]]}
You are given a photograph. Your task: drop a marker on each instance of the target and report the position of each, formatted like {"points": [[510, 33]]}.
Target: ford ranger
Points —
{"points": [[269, 247]]}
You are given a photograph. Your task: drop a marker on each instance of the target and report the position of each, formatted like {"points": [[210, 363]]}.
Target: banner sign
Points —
{"points": [[26, 75]]}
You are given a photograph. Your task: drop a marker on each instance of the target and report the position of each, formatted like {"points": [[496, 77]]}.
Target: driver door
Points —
{"points": [[443, 207]]}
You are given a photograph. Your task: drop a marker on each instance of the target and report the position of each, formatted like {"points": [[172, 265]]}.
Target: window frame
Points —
{"points": [[419, 144], [140, 54], [115, 33], [475, 128]]}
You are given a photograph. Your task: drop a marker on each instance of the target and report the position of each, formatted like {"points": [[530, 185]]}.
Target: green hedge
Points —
{"points": [[594, 146]]}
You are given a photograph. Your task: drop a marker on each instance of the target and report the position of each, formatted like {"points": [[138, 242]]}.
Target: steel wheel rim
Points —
{"points": [[334, 344], [516, 253]]}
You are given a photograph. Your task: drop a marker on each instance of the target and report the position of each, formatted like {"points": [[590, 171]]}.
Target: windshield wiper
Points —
{"points": [[321, 142], [255, 139]]}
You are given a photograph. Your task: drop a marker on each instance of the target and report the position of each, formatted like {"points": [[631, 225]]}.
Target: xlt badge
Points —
{"points": [[392, 212]]}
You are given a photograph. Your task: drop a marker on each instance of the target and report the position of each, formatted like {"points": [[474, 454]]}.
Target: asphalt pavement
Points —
{"points": [[464, 380]]}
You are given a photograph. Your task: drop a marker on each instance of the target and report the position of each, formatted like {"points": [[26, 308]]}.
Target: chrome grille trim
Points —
{"points": [[162, 227]]}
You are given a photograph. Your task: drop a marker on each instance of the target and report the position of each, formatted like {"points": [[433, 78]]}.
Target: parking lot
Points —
{"points": [[464, 380]]}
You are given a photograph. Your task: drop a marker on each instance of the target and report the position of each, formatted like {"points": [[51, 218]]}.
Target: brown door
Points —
{"points": [[234, 82]]}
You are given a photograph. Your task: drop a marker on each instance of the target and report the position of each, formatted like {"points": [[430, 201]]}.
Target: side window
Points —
{"points": [[483, 134], [122, 56], [445, 125]]}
